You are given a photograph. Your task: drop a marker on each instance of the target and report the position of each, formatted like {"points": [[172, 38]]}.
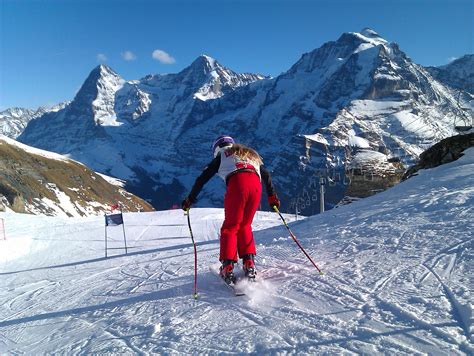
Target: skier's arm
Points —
{"points": [[208, 172], [273, 200], [267, 181]]}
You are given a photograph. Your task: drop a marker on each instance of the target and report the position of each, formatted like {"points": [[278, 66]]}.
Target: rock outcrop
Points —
{"points": [[445, 151]]}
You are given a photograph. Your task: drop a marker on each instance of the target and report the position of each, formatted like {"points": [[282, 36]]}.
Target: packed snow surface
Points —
{"points": [[397, 280]]}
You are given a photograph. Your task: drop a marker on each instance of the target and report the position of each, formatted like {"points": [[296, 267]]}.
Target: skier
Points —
{"points": [[242, 169]]}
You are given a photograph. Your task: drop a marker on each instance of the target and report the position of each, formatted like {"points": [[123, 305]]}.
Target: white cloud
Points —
{"points": [[101, 57], [452, 59], [163, 57], [128, 56]]}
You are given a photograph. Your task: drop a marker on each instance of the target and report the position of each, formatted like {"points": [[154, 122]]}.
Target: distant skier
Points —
{"points": [[242, 169]]}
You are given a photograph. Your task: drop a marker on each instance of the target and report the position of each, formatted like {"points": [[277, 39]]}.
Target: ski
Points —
{"points": [[234, 287]]}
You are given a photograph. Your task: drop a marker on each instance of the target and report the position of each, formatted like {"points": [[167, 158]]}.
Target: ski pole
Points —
{"points": [[195, 295], [296, 240]]}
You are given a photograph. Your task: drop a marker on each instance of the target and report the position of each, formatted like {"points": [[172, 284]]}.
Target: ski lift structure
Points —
{"points": [[395, 157], [346, 180], [333, 178], [464, 122], [310, 193], [397, 154], [405, 156]]}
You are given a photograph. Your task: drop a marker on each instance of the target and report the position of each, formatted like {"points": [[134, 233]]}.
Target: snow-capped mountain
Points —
{"points": [[14, 120], [208, 79], [458, 74], [125, 128], [40, 182], [357, 94]]}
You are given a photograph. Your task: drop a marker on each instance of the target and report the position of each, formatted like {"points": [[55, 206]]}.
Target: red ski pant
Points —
{"points": [[241, 201]]}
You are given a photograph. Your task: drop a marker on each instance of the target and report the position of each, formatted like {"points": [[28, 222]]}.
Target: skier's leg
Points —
{"points": [[234, 204], [245, 241]]}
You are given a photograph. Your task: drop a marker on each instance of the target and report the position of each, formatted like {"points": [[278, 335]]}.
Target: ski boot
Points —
{"points": [[227, 271], [249, 267]]}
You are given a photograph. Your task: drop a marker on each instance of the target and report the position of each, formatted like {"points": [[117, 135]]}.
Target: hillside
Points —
{"points": [[40, 182], [398, 280]]}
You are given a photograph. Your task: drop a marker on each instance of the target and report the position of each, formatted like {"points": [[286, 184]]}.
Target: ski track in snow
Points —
{"points": [[397, 279]]}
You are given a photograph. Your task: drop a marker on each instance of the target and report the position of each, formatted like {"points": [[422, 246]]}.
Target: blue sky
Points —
{"points": [[48, 47]]}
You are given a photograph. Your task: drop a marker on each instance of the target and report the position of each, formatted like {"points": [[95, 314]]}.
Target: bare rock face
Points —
{"points": [[445, 151]]}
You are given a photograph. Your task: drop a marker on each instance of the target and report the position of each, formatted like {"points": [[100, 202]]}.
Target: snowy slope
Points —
{"points": [[398, 280]]}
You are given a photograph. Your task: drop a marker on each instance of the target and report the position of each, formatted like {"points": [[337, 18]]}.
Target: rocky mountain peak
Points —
{"points": [[100, 76], [201, 71], [206, 64], [334, 54], [97, 94], [363, 40], [102, 71], [369, 33], [208, 79], [201, 64]]}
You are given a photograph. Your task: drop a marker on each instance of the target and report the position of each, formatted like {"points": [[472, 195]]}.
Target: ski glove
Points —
{"points": [[186, 204], [274, 201]]}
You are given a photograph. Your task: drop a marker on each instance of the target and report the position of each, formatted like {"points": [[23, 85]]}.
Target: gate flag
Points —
{"points": [[114, 219]]}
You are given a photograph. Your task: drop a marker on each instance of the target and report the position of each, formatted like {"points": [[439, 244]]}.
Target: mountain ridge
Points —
{"points": [[359, 88], [14, 120], [459, 74]]}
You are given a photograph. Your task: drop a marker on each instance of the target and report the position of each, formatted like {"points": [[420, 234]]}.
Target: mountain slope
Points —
{"points": [[354, 94], [40, 182], [397, 280], [358, 92], [458, 74]]}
